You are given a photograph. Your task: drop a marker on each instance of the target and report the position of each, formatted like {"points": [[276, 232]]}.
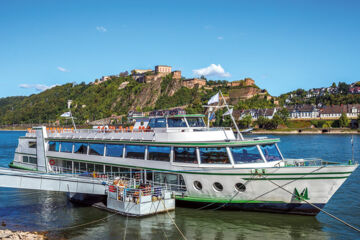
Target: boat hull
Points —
{"points": [[284, 208]]}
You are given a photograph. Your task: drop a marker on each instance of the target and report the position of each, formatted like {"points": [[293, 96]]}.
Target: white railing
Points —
{"points": [[307, 162]]}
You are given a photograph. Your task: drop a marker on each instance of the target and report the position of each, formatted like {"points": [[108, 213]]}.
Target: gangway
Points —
{"points": [[13, 178]]}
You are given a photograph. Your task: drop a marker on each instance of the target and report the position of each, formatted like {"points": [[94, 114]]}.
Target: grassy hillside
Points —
{"points": [[91, 102]]}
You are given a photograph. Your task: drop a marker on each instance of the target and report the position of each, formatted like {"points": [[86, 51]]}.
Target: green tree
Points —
{"points": [[262, 121], [245, 121], [283, 115], [344, 121]]}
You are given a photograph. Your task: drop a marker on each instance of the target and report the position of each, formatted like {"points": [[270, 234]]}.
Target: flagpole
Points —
{"points": [[232, 118], [352, 147], [71, 116]]}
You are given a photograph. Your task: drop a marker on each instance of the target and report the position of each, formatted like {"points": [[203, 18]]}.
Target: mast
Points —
{"points": [[71, 116], [232, 118]]}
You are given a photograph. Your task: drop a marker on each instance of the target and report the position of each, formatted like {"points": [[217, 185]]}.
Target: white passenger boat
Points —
{"points": [[207, 167]]}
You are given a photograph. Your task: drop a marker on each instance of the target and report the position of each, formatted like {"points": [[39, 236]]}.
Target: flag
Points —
{"points": [[229, 112], [214, 99], [212, 116], [67, 114]]}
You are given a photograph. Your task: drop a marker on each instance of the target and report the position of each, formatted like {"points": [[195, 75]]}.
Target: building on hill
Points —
{"points": [[305, 111], [192, 82], [242, 83], [249, 82], [102, 79], [162, 69], [335, 111], [140, 71], [176, 74], [147, 75]]}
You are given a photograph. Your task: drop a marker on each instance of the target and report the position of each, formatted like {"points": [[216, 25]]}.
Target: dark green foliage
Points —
{"points": [[344, 121], [255, 102], [266, 123], [245, 122], [89, 102], [283, 115]]}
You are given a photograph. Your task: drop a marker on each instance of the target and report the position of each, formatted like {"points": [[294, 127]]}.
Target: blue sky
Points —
{"points": [[282, 45]]}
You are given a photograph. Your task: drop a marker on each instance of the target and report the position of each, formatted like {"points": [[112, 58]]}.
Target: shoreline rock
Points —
{"points": [[21, 235]]}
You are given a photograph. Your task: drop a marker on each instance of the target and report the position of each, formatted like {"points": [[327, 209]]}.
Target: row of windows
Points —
{"points": [[176, 122], [91, 169], [212, 155], [28, 159]]}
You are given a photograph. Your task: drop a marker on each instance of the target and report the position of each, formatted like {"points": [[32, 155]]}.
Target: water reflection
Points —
{"points": [[34, 210]]}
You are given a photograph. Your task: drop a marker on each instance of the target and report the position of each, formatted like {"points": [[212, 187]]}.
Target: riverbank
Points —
{"points": [[20, 235], [307, 131]]}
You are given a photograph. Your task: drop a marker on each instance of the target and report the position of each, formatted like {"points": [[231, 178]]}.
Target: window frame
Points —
{"points": [[239, 163]]}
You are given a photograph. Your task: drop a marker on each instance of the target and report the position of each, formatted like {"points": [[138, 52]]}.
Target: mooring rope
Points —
{"points": [[313, 205], [173, 221]]}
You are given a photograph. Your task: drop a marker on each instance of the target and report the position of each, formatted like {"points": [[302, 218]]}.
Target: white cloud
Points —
{"points": [[220, 38], [62, 69], [212, 70], [101, 29], [37, 87]]}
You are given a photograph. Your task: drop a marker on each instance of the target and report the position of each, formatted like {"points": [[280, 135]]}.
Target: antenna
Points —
{"points": [[232, 117]]}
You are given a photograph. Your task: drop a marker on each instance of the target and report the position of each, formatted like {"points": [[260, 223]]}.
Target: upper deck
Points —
{"points": [[191, 137], [183, 129]]}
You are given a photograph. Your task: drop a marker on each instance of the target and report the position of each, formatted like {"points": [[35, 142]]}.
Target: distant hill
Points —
{"points": [[336, 94], [116, 96]]}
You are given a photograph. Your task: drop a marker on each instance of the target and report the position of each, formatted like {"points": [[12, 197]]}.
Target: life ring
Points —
{"points": [[52, 162]]}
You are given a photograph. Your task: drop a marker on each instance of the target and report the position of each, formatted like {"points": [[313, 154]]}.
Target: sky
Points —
{"points": [[282, 45]]}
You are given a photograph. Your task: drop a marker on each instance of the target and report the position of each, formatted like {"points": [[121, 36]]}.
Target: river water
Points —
{"points": [[36, 211]]}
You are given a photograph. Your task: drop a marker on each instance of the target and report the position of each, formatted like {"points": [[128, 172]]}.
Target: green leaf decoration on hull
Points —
{"points": [[304, 195]]}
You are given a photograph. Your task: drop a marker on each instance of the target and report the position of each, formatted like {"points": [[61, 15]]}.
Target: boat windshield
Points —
{"points": [[176, 122], [195, 122], [157, 123], [271, 153]]}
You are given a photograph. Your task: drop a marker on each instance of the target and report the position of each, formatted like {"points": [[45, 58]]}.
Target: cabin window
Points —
{"points": [[96, 149], [195, 122], [66, 147], [214, 155], [108, 169], [136, 174], [77, 167], [80, 148], [25, 159], [271, 153], [185, 154], [99, 168], [83, 167], [135, 151], [113, 150], [33, 160], [125, 172], [176, 122], [249, 154], [157, 123], [32, 144], [54, 146], [115, 171], [67, 166], [159, 153], [90, 167], [170, 179]]}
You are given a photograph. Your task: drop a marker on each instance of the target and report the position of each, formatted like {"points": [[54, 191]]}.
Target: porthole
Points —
{"points": [[197, 185], [218, 187], [240, 187]]}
